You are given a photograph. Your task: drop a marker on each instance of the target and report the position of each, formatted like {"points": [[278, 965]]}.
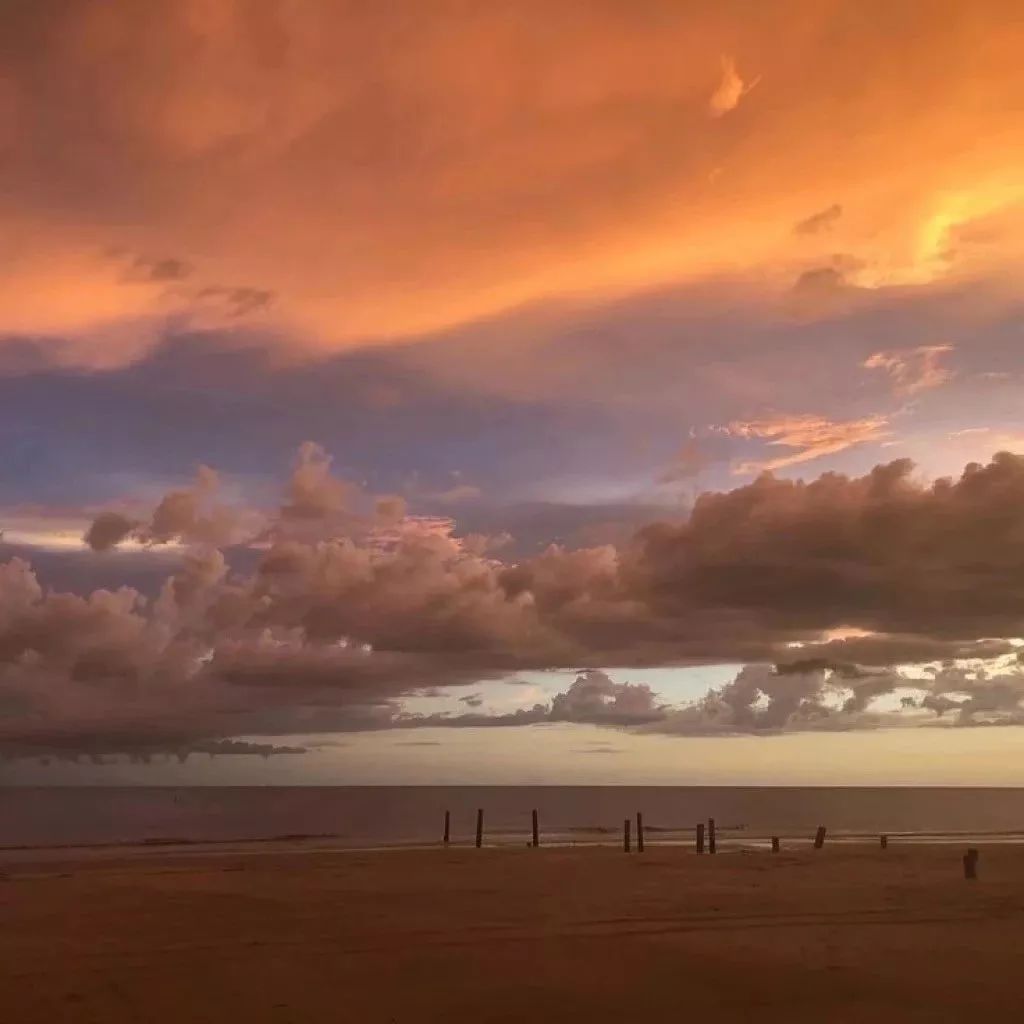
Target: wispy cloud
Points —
{"points": [[809, 437], [820, 221], [730, 90], [912, 370]]}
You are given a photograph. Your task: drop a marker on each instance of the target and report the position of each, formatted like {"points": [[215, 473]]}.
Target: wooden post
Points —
{"points": [[700, 837], [536, 831], [625, 835], [712, 845], [479, 828], [883, 842], [447, 827], [819, 837], [639, 832], [971, 863], [775, 844]]}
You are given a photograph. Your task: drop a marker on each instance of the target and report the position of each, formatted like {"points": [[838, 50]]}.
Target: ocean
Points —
{"points": [[374, 816]]}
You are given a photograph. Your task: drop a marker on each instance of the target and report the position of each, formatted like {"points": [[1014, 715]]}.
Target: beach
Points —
{"points": [[291, 934]]}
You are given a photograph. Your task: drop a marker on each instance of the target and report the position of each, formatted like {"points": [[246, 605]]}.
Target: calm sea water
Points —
{"points": [[377, 816]]}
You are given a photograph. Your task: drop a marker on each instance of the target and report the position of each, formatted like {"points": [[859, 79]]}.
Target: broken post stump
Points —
{"points": [[625, 835], [819, 837], [883, 842], [700, 837], [639, 832], [479, 828], [712, 844], [775, 844]]}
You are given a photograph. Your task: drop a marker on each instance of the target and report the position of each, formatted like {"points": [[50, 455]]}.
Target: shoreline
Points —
{"points": [[728, 844]]}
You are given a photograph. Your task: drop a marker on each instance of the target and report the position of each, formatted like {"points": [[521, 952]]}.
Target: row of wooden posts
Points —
{"points": [[970, 859], [627, 833]]}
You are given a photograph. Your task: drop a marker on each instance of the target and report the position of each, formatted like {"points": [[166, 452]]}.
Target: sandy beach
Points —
{"points": [[842, 934]]}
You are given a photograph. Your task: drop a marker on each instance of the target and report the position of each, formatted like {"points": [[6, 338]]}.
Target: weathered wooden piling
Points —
{"points": [[712, 841], [639, 832], [447, 827], [775, 844], [971, 863], [479, 828], [700, 837], [819, 837], [625, 835], [883, 842], [536, 831]]}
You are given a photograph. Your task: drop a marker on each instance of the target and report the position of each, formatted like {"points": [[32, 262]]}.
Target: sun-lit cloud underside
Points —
{"points": [[346, 176]]}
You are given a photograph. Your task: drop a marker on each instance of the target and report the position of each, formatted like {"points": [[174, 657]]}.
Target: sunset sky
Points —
{"points": [[512, 391]]}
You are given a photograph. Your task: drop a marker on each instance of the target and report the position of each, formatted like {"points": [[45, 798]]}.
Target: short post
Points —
{"points": [[883, 842], [971, 863], [536, 831], [625, 835], [712, 844], [479, 828], [775, 844], [700, 837], [819, 837], [447, 827], [639, 832]]}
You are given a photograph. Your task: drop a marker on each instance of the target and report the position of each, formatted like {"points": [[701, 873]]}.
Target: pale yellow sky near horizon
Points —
{"points": [[567, 755]]}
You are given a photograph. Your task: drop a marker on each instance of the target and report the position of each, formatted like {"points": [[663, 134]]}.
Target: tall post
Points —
{"points": [[700, 837], [625, 835], [775, 844], [971, 863], [819, 837], [536, 831], [712, 844], [447, 827], [479, 828], [639, 832]]}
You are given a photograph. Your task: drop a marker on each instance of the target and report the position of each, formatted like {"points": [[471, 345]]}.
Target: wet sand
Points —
{"points": [[415, 936]]}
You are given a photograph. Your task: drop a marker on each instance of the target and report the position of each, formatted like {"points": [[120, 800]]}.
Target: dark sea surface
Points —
{"points": [[366, 816]]}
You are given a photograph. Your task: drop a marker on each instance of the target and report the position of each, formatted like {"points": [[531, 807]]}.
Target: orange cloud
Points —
{"points": [[374, 172], [731, 89], [809, 436]]}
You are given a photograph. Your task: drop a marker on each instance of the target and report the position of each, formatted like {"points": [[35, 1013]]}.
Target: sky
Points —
{"points": [[511, 392]]}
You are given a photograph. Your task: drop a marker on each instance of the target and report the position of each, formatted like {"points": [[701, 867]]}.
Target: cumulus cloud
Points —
{"points": [[764, 699], [808, 435], [833, 581], [107, 530], [191, 515], [913, 370], [593, 698]]}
